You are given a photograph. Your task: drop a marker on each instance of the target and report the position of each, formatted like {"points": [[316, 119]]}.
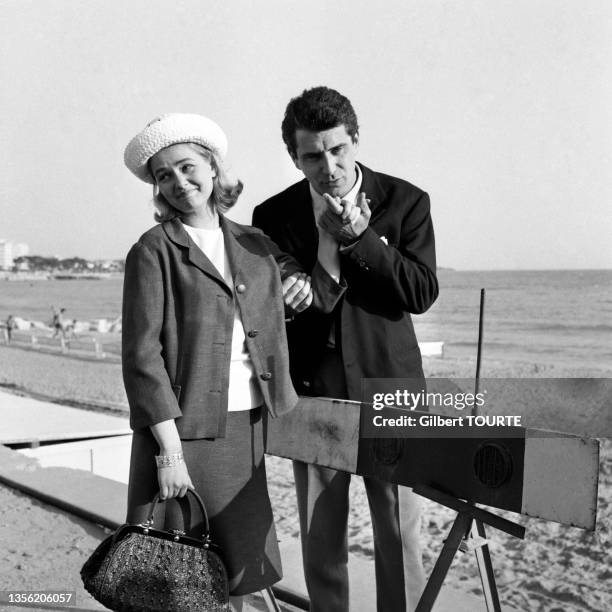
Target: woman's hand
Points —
{"points": [[172, 472], [173, 481]]}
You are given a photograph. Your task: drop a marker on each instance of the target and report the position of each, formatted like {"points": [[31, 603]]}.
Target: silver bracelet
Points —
{"points": [[164, 461]]}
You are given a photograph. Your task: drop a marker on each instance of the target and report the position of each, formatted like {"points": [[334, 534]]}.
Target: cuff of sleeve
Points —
{"points": [[349, 247], [361, 252], [325, 281], [143, 420], [327, 292]]}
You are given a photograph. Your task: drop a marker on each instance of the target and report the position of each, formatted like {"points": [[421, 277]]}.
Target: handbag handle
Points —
{"points": [[156, 500]]}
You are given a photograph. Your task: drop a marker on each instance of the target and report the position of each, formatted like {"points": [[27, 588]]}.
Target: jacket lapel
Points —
{"points": [[244, 251], [237, 255], [373, 191], [301, 228], [176, 232]]}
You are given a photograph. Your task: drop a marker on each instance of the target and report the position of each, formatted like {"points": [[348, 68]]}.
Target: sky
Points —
{"points": [[500, 110]]}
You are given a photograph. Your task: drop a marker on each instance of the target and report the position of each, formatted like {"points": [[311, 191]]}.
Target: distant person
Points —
{"points": [[70, 329], [58, 322], [204, 346], [11, 324], [373, 232]]}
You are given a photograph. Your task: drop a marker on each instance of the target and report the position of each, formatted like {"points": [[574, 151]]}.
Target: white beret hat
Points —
{"points": [[171, 129]]}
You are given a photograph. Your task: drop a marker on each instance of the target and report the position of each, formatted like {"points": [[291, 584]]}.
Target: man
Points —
{"points": [[372, 233]]}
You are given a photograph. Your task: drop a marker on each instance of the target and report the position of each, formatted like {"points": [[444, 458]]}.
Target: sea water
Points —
{"points": [[552, 317], [547, 317]]}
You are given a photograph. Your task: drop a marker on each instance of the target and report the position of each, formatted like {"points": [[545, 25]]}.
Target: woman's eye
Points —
{"points": [[187, 167]]}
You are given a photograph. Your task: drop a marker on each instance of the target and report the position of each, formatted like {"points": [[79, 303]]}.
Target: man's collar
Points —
{"points": [[351, 196]]}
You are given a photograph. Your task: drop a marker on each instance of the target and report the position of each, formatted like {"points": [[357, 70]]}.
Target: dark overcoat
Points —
{"points": [[390, 273]]}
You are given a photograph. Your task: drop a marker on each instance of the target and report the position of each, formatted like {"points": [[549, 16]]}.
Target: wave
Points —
{"points": [[599, 327], [513, 347]]}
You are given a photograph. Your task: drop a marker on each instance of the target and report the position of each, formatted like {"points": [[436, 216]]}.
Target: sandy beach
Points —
{"points": [[555, 568]]}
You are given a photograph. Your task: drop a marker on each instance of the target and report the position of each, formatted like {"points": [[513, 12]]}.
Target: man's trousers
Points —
{"points": [[323, 506]]}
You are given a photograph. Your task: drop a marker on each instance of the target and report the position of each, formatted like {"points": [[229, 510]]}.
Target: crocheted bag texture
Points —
{"points": [[144, 573]]}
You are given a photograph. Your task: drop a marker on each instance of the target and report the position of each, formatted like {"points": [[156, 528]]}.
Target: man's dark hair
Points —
{"points": [[315, 110]]}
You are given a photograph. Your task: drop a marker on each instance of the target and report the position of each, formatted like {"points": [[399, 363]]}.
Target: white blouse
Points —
{"points": [[243, 393]]}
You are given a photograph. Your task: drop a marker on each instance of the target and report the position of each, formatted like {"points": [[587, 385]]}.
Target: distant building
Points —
{"points": [[9, 251], [6, 255]]}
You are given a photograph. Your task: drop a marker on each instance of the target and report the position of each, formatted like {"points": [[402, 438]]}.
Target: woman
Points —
{"points": [[204, 346]]}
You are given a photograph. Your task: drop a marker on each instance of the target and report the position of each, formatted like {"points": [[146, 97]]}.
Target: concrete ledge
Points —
{"points": [[30, 421], [92, 497]]}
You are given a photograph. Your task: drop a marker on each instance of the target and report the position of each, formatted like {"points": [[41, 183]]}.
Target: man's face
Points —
{"points": [[327, 159]]}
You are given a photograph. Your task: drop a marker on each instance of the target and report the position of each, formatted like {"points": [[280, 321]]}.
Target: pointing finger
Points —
{"points": [[363, 203], [347, 209], [333, 204]]}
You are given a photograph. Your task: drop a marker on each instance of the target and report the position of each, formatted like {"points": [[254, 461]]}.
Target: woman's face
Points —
{"points": [[184, 178]]}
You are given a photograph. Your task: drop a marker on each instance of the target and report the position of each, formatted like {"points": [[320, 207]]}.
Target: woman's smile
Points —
{"points": [[185, 179]]}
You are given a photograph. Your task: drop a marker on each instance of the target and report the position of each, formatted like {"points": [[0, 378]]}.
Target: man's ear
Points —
{"points": [[356, 140]]}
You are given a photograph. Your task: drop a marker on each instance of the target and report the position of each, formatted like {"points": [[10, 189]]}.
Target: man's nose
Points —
{"points": [[329, 164]]}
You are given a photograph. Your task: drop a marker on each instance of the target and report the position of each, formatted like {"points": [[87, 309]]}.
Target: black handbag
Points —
{"points": [[142, 569]]}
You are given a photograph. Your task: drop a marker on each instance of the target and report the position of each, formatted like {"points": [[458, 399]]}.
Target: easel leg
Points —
{"points": [[270, 600], [485, 568], [451, 545]]}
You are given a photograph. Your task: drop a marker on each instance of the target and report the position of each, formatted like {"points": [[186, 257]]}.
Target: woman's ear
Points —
{"points": [[213, 167]]}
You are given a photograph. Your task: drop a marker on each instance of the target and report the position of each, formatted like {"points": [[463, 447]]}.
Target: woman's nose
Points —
{"points": [[180, 181]]}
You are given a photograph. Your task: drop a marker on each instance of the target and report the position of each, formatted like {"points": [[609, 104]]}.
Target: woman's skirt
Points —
{"points": [[230, 475]]}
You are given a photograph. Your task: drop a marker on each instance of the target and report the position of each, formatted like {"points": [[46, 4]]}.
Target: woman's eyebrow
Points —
{"points": [[180, 161]]}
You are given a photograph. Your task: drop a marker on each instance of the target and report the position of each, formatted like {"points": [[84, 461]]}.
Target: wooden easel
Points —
{"points": [[468, 530], [467, 533]]}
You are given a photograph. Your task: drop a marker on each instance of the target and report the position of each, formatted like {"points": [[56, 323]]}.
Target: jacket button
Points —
{"points": [[266, 376], [252, 333], [240, 288]]}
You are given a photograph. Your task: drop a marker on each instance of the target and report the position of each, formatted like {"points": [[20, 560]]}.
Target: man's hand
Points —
{"points": [[344, 221], [297, 291]]}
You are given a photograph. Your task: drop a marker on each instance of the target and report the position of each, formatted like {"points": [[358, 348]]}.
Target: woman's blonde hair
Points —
{"points": [[224, 194]]}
